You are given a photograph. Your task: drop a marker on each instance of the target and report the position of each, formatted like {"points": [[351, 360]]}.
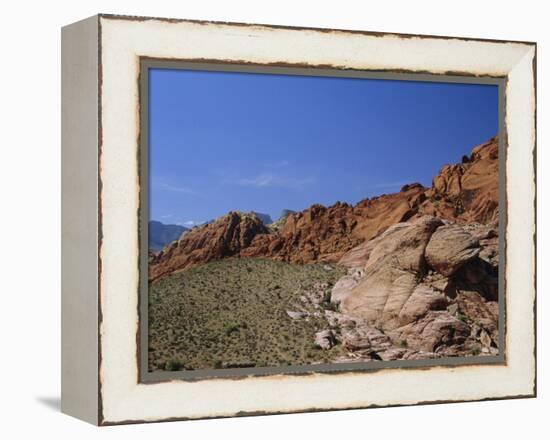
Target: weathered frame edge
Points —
{"points": [[80, 221], [102, 422]]}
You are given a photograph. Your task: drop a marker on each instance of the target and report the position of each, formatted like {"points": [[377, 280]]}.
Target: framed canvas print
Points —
{"points": [[262, 219]]}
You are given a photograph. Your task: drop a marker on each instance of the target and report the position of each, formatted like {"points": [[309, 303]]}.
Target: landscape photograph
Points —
{"points": [[301, 220]]}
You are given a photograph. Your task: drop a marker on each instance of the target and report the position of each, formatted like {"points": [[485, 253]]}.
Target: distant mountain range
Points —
{"points": [[285, 213], [265, 218], [160, 234]]}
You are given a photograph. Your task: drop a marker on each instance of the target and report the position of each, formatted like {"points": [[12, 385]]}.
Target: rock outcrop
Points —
{"points": [[451, 247], [423, 289], [225, 237], [325, 339], [392, 272], [467, 192], [427, 285]]}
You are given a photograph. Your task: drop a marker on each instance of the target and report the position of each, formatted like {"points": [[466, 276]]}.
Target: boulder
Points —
{"points": [[411, 355], [484, 338], [435, 329], [364, 336], [343, 287], [484, 313], [404, 244], [422, 300], [391, 354], [359, 255], [392, 273], [297, 315], [449, 248], [337, 319], [325, 339]]}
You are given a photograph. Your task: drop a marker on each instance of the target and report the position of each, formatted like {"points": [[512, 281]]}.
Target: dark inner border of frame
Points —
{"points": [[145, 376]]}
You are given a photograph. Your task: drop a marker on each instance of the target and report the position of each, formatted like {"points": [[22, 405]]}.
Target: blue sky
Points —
{"points": [[223, 141]]}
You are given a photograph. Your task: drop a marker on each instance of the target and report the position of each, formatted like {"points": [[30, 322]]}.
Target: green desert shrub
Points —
{"points": [[462, 317], [329, 306], [231, 327], [173, 365]]}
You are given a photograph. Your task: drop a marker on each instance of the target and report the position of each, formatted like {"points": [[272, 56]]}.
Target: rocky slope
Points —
{"points": [[463, 193], [429, 286], [425, 289]]}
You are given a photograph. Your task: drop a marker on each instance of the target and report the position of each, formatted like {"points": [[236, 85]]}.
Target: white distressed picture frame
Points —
{"points": [[101, 196]]}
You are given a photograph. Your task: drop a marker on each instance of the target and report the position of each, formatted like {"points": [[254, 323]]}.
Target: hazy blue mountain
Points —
{"points": [[286, 212], [265, 218], [160, 234]]}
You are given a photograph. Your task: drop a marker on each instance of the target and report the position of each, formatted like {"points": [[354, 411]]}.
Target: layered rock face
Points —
{"points": [[424, 289], [463, 193], [392, 272], [428, 285], [467, 192], [225, 237]]}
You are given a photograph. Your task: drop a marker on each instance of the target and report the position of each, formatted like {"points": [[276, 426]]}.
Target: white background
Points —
{"points": [[30, 217]]}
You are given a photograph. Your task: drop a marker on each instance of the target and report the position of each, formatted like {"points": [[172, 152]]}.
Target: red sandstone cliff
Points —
{"points": [[465, 192]]}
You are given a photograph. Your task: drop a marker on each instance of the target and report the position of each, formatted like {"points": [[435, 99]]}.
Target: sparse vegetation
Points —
{"points": [[231, 327], [232, 312], [462, 317], [326, 304], [173, 365]]}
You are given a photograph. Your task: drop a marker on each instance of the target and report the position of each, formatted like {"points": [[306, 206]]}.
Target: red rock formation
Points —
{"points": [[464, 193], [467, 192], [222, 238]]}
